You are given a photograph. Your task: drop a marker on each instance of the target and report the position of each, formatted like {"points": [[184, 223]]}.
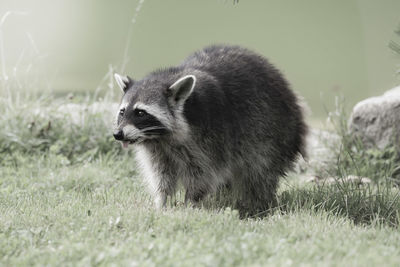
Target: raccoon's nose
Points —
{"points": [[119, 135]]}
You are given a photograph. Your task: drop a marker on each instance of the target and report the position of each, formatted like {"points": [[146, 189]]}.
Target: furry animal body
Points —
{"points": [[223, 118]]}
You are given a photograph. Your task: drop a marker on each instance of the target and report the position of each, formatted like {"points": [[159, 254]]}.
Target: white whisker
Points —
{"points": [[153, 128]]}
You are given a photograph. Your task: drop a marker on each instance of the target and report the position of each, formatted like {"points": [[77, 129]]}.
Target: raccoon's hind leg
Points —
{"points": [[194, 196], [257, 194], [196, 189]]}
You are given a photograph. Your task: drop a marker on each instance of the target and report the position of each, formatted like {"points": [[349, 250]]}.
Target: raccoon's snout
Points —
{"points": [[119, 135]]}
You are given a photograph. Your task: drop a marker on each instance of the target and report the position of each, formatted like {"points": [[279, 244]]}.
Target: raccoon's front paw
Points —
{"points": [[160, 201]]}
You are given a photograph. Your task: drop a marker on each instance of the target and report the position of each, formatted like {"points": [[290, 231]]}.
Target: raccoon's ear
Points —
{"points": [[181, 89], [124, 82]]}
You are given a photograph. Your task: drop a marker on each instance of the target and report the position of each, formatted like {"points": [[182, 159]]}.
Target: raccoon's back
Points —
{"points": [[251, 104], [246, 80]]}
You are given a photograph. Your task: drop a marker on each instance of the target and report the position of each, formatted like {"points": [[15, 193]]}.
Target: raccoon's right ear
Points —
{"points": [[124, 82]]}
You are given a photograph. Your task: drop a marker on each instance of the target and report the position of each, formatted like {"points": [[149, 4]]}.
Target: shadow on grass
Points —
{"points": [[365, 204], [368, 204]]}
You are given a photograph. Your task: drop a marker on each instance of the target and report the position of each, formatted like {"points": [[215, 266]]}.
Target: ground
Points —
{"points": [[99, 213]]}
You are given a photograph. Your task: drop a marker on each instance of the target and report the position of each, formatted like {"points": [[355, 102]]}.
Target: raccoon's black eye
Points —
{"points": [[140, 113], [122, 111]]}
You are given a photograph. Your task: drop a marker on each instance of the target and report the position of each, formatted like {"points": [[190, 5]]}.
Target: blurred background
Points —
{"points": [[325, 48]]}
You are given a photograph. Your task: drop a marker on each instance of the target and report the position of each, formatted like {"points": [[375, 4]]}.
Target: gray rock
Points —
{"points": [[376, 120]]}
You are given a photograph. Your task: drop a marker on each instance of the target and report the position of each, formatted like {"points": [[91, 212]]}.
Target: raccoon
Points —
{"points": [[224, 118]]}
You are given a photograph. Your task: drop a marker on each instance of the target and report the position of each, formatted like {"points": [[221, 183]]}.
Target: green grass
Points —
{"points": [[98, 213], [70, 196]]}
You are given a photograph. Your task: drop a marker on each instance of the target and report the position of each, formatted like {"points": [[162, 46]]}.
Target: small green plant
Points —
{"points": [[36, 127], [356, 158]]}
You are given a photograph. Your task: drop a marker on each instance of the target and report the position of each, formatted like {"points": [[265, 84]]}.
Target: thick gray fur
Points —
{"points": [[234, 123]]}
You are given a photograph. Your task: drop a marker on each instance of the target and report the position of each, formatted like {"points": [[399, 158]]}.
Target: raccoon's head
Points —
{"points": [[151, 109]]}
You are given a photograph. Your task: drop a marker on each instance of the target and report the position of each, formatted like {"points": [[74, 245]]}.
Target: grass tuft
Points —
{"points": [[55, 127], [363, 204]]}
